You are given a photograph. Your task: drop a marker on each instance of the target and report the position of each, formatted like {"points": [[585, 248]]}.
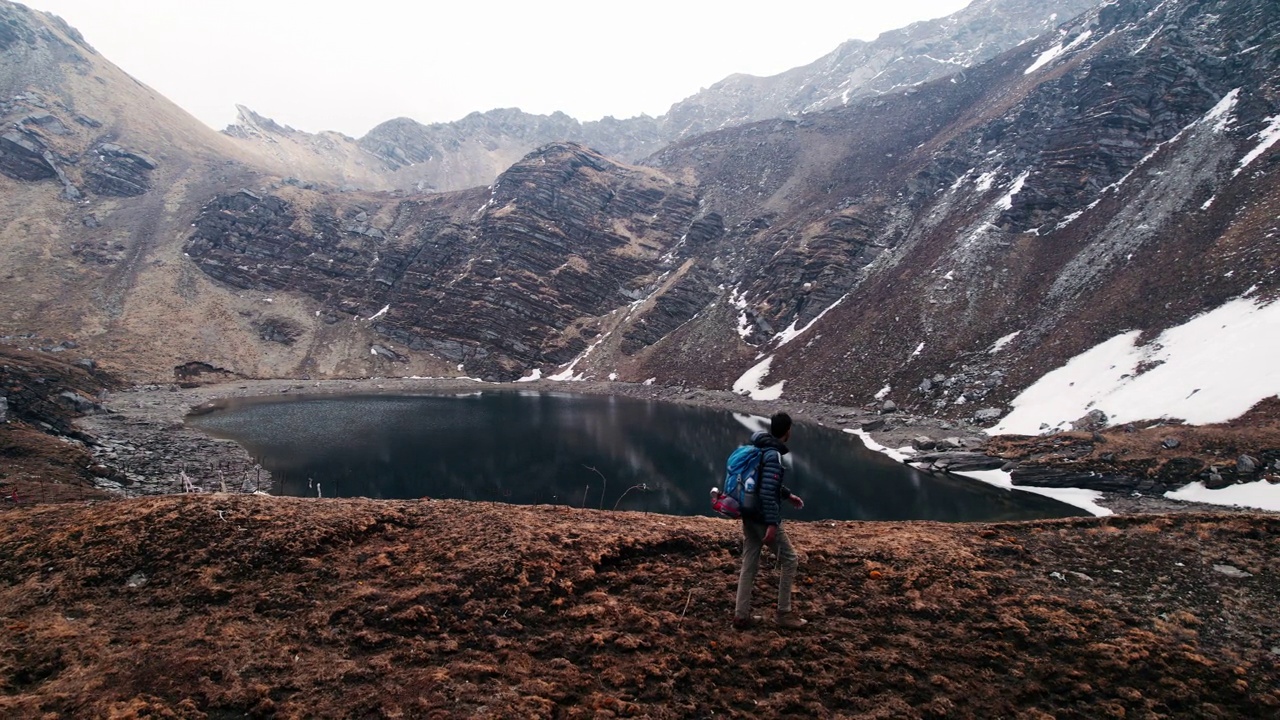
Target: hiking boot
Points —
{"points": [[744, 623], [790, 620]]}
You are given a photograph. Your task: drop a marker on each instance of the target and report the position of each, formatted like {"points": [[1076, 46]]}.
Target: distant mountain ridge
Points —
{"points": [[472, 151]]}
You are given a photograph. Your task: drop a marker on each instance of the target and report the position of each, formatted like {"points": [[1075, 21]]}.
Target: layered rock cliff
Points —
{"points": [[498, 280]]}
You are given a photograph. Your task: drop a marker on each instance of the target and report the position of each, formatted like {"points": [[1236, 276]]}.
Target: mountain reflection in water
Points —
{"points": [[579, 450]]}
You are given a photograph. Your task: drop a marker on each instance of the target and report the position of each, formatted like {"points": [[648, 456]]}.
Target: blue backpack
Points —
{"points": [[741, 482]]}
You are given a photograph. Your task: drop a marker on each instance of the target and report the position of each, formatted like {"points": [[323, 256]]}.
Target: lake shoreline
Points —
{"points": [[150, 450]]}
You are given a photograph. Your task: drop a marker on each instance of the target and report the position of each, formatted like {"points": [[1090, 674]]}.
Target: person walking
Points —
{"points": [[762, 525]]}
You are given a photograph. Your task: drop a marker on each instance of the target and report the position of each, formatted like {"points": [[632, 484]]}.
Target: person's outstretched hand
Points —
{"points": [[771, 535], [797, 501]]}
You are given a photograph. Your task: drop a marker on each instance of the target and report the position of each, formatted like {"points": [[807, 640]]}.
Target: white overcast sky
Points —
{"points": [[347, 66]]}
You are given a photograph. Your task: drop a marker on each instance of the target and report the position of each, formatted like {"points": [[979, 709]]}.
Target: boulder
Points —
{"points": [[889, 406], [987, 415], [957, 461], [385, 352], [76, 401], [4, 409], [47, 121], [1246, 465], [1170, 443], [1090, 421], [23, 158], [872, 425], [1052, 477], [950, 443], [119, 172], [923, 442]]}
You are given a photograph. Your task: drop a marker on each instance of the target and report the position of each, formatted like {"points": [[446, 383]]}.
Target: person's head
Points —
{"points": [[780, 426]]}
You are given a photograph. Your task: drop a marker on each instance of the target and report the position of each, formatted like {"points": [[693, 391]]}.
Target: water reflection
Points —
{"points": [[584, 451]]}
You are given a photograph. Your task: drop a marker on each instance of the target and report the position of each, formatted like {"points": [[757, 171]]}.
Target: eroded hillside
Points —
{"points": [[960, 239]]}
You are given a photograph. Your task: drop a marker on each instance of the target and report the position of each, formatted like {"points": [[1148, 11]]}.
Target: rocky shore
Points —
{"points": [[145, 448]]}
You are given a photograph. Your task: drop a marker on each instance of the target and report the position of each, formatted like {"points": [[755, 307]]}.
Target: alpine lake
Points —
{"points": [[594, 451]]}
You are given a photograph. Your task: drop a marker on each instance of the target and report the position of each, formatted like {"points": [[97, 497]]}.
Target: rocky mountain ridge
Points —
{"points": [[472, 151]]}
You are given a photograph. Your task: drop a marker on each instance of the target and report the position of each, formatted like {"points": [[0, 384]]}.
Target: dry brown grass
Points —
{"points": [[217, 605]]}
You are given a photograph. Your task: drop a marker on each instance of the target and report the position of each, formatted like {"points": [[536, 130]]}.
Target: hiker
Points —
{"points": [[762, 525]]}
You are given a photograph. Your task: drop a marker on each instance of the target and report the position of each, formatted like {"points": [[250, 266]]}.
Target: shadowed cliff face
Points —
{"points": [[500, 279]]}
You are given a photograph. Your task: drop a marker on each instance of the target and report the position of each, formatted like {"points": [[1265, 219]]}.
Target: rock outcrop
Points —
{"points": [[22, 157], [561, 240], [119, 172]]}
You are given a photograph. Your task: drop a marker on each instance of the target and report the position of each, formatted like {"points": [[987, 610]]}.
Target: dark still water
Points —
{"points": [[579, 450]]}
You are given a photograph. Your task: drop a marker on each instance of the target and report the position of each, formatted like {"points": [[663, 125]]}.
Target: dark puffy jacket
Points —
{"points": [[772, 491]]}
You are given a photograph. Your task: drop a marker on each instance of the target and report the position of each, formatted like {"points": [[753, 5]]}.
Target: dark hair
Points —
{"points": [[779, 424]]}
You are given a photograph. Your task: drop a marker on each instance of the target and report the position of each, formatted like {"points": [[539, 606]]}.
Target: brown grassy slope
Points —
{"points": [[211, 606], [35, 463]]}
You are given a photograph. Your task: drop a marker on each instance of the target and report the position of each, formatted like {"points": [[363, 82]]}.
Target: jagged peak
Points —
{"points": [[247, 119], [565, 150]]}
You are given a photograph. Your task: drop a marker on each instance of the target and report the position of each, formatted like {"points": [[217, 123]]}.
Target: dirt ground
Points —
{"points": [[238, 605]]}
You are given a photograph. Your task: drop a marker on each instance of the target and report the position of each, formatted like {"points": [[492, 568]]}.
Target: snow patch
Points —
{"points": [[900, 454], [1049, 55], [1086, 500], [883, 392], [1268, 137], [567, 374], [960, 180], [1222, 112], [998, 345], [1211, 369], [739, 301], [791, 333], [1076, 497], [1006, 202], [1069, 219], [749, 383], [1258, 494], [918, 350], [380, 313], [534, 374]]}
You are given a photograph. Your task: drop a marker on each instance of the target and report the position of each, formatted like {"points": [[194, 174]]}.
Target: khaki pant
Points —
{"points": [[752, 540]]}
